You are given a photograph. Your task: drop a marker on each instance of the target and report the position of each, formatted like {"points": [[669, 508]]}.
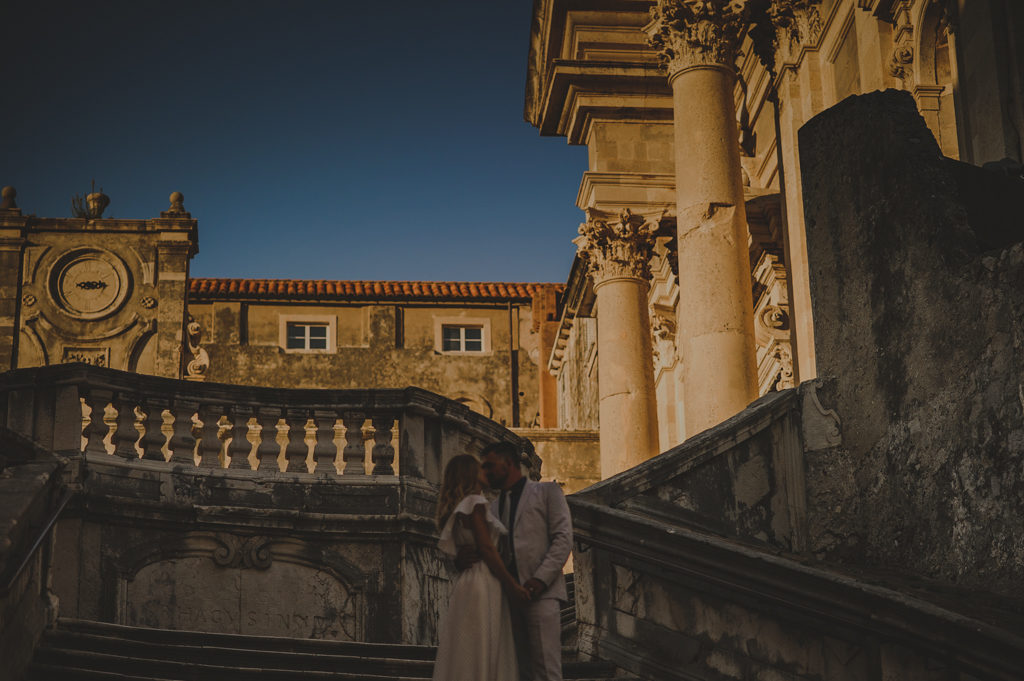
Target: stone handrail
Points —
{"points": [[208, 425]]}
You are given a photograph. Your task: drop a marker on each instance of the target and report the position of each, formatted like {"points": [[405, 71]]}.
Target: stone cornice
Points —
{"points": [[615, 191], [576, 90], [617, 246], [697, 33]]}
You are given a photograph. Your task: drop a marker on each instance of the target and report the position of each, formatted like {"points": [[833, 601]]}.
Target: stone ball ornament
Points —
{"points": [[8, 194]]}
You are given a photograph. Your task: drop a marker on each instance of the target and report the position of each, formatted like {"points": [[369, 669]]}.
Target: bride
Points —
{"points": [[475, 643]]}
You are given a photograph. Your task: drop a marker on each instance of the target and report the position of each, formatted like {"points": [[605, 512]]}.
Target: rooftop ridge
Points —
{"points": [[362, 288]]}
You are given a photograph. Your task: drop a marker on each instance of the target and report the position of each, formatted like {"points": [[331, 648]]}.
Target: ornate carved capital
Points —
{"points": [[617, 246], [782, 27], [689, 33]]}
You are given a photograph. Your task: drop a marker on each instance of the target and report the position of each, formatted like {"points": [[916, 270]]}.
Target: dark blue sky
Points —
{"points": [[312, 139]]}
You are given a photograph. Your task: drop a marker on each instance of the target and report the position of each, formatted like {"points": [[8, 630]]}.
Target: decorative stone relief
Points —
{"points": [[689, 33], [97, 357], [197, 367], [784, 356], [148, 302], [28, 299], [782, 27], [901, 60], [663, 331], [242, 552], [820, 426], [617, 246]]}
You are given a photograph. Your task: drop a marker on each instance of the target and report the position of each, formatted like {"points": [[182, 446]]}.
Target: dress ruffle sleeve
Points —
{"points": [[465, 507]]}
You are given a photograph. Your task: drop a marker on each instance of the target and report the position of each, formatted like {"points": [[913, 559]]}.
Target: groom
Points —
{"points": [[537, 546]]}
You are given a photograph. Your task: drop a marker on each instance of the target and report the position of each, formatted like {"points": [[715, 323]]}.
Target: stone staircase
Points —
{"points": [[80, 650]]}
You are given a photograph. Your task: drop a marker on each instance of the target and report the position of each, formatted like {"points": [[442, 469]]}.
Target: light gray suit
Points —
{"points": [[542, 536]]}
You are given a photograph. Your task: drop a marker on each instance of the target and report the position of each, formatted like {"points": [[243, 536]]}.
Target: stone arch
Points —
{"points": [[935, 66], [476, 402]]}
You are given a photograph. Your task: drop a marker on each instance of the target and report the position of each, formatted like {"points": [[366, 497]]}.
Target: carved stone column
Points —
{"points": [[698, 40], [618, 249]]}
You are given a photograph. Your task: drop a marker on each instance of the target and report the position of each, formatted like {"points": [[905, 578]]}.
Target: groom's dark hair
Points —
{"points": [[505, 450]]}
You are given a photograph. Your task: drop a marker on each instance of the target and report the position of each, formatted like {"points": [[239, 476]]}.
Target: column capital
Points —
{"points": [[696, 33], [617, 245], [780, 29]]}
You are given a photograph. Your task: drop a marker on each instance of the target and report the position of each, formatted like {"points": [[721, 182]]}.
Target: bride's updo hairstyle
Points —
{"points": [[461, 477]]}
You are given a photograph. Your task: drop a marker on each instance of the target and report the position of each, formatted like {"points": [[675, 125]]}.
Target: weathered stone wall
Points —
{"points": [[917, 275], [378, 346], [577, 378], [271, 554], [30, 491], [572, 458]]}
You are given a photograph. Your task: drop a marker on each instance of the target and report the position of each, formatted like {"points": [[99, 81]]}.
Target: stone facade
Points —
{"points": [[388, 338], [691, 110], [104, 292]]}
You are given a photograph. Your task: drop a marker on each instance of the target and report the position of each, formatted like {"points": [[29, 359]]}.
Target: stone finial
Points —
{"points": [[8, 194], [617, 246], [691, 33], [177, 203], [97, 202]]}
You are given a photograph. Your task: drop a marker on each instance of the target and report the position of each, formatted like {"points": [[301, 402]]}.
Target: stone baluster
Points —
{"points": [[355, 448], [183, 444], [383, 452], [269, 449], [210, 444], [126, 434], [412, 444], [325, 452], [296, 451], [96, 430], [153, 440], [239, 447]]}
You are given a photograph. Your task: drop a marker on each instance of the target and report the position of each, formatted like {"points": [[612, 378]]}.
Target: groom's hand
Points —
{"points": [[535, 588], [466, 558]]}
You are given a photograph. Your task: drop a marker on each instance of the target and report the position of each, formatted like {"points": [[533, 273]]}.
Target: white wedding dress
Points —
{"points": [[475, 643]]}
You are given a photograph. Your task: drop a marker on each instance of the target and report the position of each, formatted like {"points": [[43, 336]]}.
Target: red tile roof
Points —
{"points": [[319, 289]]}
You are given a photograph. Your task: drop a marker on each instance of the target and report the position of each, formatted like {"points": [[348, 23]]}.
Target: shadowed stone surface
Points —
{"points": [[916, 276]]}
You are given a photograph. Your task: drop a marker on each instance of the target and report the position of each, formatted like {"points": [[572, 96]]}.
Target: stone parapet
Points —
{"points": [[258, 511]]}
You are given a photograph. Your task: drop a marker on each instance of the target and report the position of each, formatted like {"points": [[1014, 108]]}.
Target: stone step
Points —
{"points": [[83, 651], [243, 641]]}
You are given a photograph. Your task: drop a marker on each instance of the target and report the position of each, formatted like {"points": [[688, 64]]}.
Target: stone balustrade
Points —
{"points": [[206, 507], [186, 424]]}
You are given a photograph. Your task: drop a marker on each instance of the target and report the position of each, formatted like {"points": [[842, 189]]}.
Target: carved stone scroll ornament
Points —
{"points": [[197, 367], [617, 246], [242, 552], [691, 33]]}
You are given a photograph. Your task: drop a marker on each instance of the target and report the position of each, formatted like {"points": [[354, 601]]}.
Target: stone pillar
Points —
{"points": [[715, 337], [176, 245], [12, 247], [618, 249], [545, 325]]}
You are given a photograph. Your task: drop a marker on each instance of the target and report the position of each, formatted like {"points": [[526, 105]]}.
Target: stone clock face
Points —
{"points": [[89, 284]]}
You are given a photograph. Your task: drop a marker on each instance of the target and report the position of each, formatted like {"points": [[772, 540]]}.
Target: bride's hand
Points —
{"points": [[518, 594]]}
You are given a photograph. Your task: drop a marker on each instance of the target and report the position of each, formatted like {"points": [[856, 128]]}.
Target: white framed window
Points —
{"points": [[308, 333], [458, 338], [462, 336], [300, 336]]}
